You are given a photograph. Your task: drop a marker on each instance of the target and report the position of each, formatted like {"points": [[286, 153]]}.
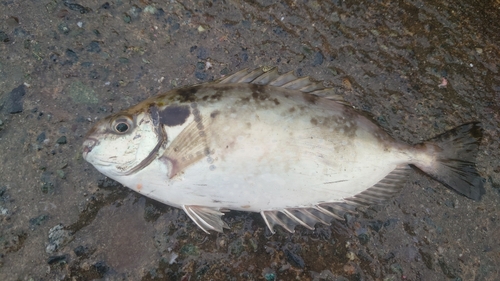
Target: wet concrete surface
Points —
{"points": [[65, 64]]}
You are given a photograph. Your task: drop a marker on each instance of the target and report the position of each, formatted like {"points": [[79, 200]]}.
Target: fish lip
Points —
{"points": [[88, 145]]}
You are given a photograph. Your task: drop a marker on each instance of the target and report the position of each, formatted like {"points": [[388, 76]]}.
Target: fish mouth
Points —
{"points": [[88, 145]]}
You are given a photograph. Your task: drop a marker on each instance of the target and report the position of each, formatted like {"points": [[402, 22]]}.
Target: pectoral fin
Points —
{"points": [[206, 218], [187, 148]]}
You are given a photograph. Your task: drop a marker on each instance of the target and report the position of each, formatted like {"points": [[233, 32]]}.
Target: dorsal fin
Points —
{"points": [[324, 212], [287, 81]]}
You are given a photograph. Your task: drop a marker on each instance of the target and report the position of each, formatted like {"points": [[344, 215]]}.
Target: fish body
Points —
{"points": [[279, 145]]}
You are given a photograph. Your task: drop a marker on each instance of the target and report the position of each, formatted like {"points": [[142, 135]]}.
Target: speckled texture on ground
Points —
{"points": [[79, 61]]}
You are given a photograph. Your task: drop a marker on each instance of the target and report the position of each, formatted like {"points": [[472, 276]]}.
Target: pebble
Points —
{"points": [[14, 102], [62, 140], [270, 276], [61, 174], [363, 238], [76, 7], [72, 56], [63, 27], [294, 259], [4, 37], [100, 267], [56, 259], [41, 137], [200, 75], [318, 59], [37, 221], [202, 53], [58, 237], [47, 184], [94, 47], [80, 251]]}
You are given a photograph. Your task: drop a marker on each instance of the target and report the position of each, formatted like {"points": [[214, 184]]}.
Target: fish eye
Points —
{"points": [[122, 125]]}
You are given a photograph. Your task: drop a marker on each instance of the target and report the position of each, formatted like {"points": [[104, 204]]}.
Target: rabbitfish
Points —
{"points": [[283, 146]]}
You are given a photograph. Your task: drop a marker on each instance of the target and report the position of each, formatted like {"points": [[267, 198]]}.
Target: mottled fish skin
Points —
{"points": [[276, 144]]}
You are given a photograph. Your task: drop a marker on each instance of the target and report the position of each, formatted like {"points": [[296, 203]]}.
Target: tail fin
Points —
{"points": [[454, 164]]}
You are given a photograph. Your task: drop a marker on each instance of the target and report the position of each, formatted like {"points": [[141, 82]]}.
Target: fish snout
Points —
{"points": [[88, 145]]}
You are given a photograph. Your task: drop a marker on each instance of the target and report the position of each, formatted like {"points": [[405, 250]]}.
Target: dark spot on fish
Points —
{"points": [[174, 115], [249, 125], [245, 99], [187, 94], [314, 121], [276, 101], [258, 92], [214, 113], [204, 98], [291, 110], [217, 95], [310, 98]]}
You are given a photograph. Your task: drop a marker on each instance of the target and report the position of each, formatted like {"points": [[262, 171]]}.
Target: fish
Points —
{"points": [[284, 146]]}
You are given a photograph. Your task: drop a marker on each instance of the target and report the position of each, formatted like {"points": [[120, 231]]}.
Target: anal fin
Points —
{"points": [[323, 213], [291, 217], [206, 218]]}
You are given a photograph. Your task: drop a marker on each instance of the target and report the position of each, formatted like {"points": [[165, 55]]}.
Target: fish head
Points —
{"points": [[123, 143]]}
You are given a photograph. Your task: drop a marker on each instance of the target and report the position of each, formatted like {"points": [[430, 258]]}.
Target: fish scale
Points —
{"points": [[283, 146]]}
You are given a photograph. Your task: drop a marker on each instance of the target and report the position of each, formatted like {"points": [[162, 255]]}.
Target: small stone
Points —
{"points": [[72, 56], [80, 251], [47, 184], [294, 259], [61, 174], [61, 140], [58, 237], [14, 103], [77, 7], [200, 75], [200, 65], [38, 220], [318, 59], [94, 47], [56, 259], [202, 53], [135, 11], [41, 137], [63, 27], [4, 37], [270, 276], [126, 18], [363, 238], [224, 71], [150, 9], [334, 17], [123, 60], [190, 250]]}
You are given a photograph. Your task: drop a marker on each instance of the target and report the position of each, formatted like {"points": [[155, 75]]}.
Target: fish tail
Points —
{"points": [[454, 155]]}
